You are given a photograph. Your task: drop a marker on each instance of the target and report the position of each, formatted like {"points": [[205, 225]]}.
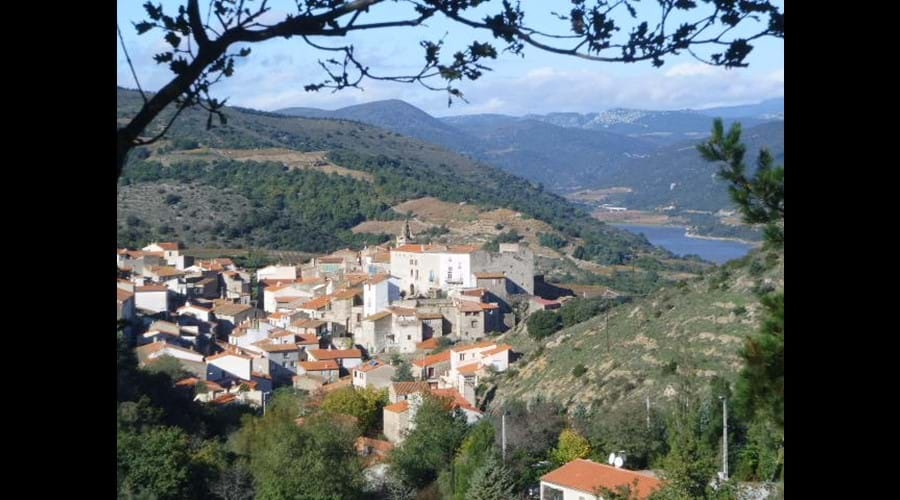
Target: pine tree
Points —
{"points": [[491, 481]]}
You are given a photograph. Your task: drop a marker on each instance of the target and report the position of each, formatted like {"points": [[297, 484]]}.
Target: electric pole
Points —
{"points": [[724, 438], [503, 434], [648, 413]]}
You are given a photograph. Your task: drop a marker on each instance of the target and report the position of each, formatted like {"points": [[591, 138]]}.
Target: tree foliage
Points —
{"points": [[542, 324], [571, 445], [760, 197], [491, 481], [474, 450], [364, 404], [432, 443]]}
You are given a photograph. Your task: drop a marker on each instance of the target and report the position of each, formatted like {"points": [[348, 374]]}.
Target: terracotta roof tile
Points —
{"points": [[323, 354], [401, 388], [318, 366], [400, 407], [316, 303], [586, 475], [441, 357]]}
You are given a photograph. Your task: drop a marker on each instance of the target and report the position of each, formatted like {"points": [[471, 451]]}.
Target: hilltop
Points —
{"points": [[266, 180], [688, 331]]}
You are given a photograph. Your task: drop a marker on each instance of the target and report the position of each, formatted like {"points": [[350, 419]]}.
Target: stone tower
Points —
{"points": [[405, 236]]}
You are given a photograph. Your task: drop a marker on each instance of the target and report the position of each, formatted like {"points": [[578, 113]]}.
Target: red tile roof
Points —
{"points": [[308, 323], [347, 293], [586, 475], [401, 388], [428, 315], [370, 365], [500, 348], [468, 369], [429, 344], [400, 407], [378, 278], [476, 345], [151, 288], [316, 303], [456, 399], [318, 366], [441, 357], [123, 295], [488, 305], [226, 353], [469, 306], [323, 354]]}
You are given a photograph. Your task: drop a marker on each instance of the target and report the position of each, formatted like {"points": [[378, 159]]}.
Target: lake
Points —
{"points": [[672, 238]]}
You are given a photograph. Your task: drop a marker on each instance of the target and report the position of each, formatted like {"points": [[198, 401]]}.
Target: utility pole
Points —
{"points": [[724, 438], [607, 326], [503, 434], [648, 413]]}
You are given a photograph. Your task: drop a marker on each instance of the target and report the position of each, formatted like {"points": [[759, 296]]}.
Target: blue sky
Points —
{"points": [[275, 73]]}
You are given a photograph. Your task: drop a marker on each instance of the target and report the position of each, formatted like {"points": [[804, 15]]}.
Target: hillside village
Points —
{"points": [[346, 318]]}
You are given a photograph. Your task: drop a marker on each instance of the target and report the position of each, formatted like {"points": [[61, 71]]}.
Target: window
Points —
{"points": [[409, 337], [474, 323], [462, 357]]}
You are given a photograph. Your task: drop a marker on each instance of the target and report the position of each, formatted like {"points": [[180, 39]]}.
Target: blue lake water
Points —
{"points": [[672, 238]]}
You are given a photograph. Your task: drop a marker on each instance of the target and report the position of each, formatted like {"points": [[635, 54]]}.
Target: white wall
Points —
{"points": [[152, 301], [456, 268], [375, 297], [277, 273], [233, 365], [568, 493]]}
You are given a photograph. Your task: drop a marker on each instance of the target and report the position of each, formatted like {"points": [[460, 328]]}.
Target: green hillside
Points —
{"points": [[313, 209], [687, 332]]}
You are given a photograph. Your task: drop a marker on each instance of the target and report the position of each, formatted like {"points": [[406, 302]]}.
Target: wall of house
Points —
{"points": [[375, 297], [395, 425], [232, 365], [152, 301], [277, 273], [517, 265], [456, 270], [567, 493], [469, 325], [408, 331], [373, 335], [420, 270], [176, 353]]}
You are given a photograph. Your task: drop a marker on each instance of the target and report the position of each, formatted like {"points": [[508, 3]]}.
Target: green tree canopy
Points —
{"points": [[432, 443]]}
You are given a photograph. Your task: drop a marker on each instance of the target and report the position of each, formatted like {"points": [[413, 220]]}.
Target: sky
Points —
{"points": [[274, 75]]}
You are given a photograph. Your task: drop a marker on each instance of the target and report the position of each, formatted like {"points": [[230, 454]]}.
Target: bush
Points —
{"points": [[670, 368], [544, 323], [172, 199], [579, 370], [551, 240], [739, 310]]}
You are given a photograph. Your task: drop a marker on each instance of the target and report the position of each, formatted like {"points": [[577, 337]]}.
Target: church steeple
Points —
{"points": [[405, 237]]}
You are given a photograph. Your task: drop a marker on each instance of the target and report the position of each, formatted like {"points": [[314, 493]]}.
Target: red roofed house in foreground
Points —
{"points": [[580, 479]]}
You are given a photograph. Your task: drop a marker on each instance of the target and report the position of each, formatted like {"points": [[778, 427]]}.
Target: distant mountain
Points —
{"points": [[678, 175], [659, 127], [767, 110], [400, 117], [560, 158]]}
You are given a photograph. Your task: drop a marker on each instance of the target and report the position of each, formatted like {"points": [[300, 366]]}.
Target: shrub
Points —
{"points": [[739, 310], [544, 323], [172, 199], [579, 370]]}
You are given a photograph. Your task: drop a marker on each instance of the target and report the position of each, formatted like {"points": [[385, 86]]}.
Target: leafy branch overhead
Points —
{"points": [[202, 42]]}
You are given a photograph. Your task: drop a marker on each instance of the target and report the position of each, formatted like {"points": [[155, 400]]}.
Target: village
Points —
{"points": [[347, 319]]}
